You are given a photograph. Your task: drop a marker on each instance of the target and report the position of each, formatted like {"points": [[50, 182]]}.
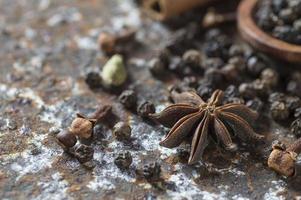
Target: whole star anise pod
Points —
{"points": [[190, 115]]}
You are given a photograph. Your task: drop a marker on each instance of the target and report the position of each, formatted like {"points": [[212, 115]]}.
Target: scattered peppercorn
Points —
{"points": [[296, 127], [297, 113], [255, 65], [279, 111], [145, 108], [93, 80], [123, 160], [157, 67], [66, 139], [128, 99], [152, 171], [122, 131], [255, 104], [269, 77], [83, 153]]}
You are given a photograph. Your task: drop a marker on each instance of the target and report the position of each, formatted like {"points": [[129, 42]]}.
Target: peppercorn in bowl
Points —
{"points": [[265, 26]]}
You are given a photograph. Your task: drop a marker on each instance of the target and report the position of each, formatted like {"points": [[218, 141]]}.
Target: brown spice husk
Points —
{"points": [[283, 162], [163, 9]]}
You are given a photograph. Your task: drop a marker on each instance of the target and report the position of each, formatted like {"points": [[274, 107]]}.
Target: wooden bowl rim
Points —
{"points": [[247, 26]]}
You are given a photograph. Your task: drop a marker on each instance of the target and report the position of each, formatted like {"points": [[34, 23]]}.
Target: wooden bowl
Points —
{"points": [[263, 41]]}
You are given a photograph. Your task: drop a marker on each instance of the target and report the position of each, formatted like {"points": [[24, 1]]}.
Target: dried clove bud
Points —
{"points": [[212, 18], [283, 159], [102, 112], [82, 126], [114, 73]]}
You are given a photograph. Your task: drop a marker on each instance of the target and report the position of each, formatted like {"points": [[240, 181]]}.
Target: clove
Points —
{"points": [[283, 159], [212, 18]]}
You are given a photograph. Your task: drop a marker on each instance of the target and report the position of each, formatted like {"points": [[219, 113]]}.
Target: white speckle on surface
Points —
{"points": [[28, 163], [63, 15], [272, 193], [56, 188], [86, 43], [131, 18], [187, 188]]}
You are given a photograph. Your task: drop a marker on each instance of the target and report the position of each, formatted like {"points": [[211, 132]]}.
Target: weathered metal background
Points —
{"points": [[46, 48]]}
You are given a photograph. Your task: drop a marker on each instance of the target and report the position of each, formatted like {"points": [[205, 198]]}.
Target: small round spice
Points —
{"points": [[297, 113], [152, 171], [255, 104], [83, 153], [279, 111], [269, 77], [292, 102], [123, 160], [93, 80], [296, 127], [193, 57], [82, 127], [236, 50], [247, 90], [122, 131], [128, 98], [157, 67], [145, 108], [66, 138], [255, 65], [276, 96]]}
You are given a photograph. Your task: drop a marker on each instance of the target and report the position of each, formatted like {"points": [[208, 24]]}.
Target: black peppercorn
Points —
{"points": [[193, 58], [66, 138], [255, 66], [231, 91], [152, 171], [276, 96], [83, 153], [255, 104], [93, 80], [157, 67], [292, 102], [205, 90], [145, 108], [236, 50], [297, 113], [128, 98], [270, 77], [247, 90], [122, 131], [296, 127], [123, 160], [215, 63], [279, 111]]}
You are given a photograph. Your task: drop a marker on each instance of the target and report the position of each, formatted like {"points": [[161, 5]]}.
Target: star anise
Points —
{"points": [[191, 116]]}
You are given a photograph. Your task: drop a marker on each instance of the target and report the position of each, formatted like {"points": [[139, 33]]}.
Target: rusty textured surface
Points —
{"points": [[46, 48]]}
